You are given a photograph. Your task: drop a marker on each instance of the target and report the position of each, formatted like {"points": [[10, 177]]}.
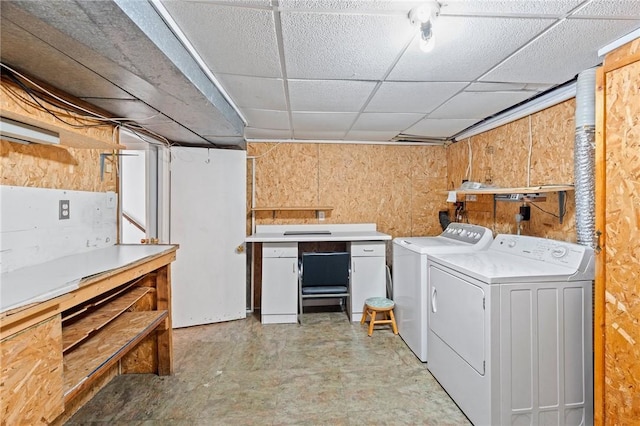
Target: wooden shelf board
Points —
{"points": [[75, 333], [106, 347], [268, 209], [515, 190]]}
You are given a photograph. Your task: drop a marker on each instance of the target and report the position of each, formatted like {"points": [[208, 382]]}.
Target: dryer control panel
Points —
{"points": [[467, 233]]}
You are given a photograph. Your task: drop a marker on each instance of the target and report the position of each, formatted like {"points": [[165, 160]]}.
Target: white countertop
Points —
{"points": [[317, 232], [45, 281], [279, 237]]}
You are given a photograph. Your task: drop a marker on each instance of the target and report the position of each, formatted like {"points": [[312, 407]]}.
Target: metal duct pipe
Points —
{"points": [[584, 157]]}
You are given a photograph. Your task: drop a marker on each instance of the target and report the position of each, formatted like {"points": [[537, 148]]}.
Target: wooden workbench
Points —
{"points": [[57, 350]]}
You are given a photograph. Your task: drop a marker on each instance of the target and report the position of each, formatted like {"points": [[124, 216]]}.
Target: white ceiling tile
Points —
{"points": [[611, 9], [494, 87], [439, 128], [320, 135], [508, 7], [384, 121], [466, 48], [401, 6], [234, 40], [255, 92], [252, 133], [329, 95], [419, 97], [321, 121], [266, 119], [560, 54], [478, 104], [342, 46], [367, 135]]}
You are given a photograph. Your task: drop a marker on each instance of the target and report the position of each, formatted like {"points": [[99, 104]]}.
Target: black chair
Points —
{"points": [[323, 275]]}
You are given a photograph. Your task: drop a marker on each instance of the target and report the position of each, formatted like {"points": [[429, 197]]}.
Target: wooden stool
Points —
{"points": [[375, 305]]}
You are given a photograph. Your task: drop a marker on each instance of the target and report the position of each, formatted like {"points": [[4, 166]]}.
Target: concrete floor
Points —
{"points": [[325, 372]]}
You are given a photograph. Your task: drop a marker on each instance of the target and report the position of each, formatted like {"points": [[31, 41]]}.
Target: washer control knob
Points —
{"points": [[558, 252], [511, 243]]}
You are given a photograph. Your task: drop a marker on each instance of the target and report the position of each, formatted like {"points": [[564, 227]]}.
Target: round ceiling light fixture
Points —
{"points": [[423, 17]]}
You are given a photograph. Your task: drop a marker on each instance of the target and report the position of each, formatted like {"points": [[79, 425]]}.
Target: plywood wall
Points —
{"points": [[502, 156], [397, 187], [622, 269], [60, 166]]}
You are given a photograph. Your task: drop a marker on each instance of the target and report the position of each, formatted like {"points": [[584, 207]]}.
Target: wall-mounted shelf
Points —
{"points": [[283, 209], [541, 189]]}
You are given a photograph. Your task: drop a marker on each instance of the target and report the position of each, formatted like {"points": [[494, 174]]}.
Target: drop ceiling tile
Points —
{"points": [[508, 7], [466, 48], [367, 135], [400, 6], [322, 121], [319, 135], [385, 122], [494, 87], [233, 40], [611, 9], [252, 133], [418, 97], [266, 119], [329, 95], [438, 128], [561, 53], [479, 104], [342, 46], [255, 92]]}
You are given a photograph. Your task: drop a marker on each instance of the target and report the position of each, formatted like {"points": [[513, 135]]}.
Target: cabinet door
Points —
{"points": [[368, 279], [31, 375], [279, 286]]}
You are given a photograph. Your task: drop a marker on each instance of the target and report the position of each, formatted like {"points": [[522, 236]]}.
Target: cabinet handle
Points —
{"points": [[434, 307], [368, 250], [353, 266], [293, 267]]}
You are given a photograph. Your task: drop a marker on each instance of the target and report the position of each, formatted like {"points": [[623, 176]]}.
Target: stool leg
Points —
{"points": [[364, 314], [374, 313], [393, 322]]}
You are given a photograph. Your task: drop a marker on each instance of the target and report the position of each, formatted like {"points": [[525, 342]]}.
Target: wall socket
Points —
{"points": [[63, 209], [320, 215]]}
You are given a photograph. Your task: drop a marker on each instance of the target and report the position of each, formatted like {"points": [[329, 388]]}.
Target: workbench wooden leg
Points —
{"points": [[165, 332]]}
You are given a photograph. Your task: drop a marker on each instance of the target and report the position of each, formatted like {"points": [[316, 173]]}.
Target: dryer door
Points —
{"points": [[456, 315]]}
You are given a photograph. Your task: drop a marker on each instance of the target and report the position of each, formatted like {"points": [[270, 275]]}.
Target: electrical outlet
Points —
{"points": [[63, 209], [320, 215]]}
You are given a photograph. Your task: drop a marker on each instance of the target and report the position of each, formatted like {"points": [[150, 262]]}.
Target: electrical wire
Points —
{"points": [[529, 156], [469, 169], [265, 153], [548, 212]]}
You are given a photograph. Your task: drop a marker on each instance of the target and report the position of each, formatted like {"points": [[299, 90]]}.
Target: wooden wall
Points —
{"points": [[53, 166], [396, 187], [501, 157], [620, 295]]}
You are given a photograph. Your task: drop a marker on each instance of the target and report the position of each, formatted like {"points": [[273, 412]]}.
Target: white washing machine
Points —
{"points": [[410, 276], [510, 331]]}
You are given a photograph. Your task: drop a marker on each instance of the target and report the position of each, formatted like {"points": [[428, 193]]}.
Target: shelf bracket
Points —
{"points": [[561, 199]]}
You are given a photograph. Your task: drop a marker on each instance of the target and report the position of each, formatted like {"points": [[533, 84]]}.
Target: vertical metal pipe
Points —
{"points": [[584, 157]]}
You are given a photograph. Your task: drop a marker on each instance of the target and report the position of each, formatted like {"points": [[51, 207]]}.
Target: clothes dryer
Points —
{"points": [[510, 331], [410, 276]]}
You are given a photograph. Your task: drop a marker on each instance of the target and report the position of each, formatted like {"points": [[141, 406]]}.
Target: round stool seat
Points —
{"points": [[382, 305]]}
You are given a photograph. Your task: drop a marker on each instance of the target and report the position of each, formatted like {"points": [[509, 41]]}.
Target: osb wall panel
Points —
{"points": [[44, 166], [31, 375], [396, 187], [501, 157], [56, 167], [622, 308]]}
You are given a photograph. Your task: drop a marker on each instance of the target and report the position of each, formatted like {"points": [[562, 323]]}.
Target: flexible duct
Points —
{"points": [[584, 157]]}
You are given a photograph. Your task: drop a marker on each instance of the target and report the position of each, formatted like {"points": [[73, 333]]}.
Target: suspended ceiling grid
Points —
{"points": [[309, 70]]}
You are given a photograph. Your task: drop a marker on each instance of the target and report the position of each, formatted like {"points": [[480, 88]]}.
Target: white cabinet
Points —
{"points": [[368, 274], [279, 283]]}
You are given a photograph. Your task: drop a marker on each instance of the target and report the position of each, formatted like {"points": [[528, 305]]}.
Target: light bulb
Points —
{"points": [[428, 44]]}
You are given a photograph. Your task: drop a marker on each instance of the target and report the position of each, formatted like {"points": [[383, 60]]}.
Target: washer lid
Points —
{"points": [[494, 267], [428, 245]]}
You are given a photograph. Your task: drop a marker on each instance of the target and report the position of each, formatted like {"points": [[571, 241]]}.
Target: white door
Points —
{"points": [[208, 213]]}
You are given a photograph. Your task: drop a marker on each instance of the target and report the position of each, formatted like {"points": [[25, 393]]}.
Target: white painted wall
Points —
{"points": [[31, 231]]}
